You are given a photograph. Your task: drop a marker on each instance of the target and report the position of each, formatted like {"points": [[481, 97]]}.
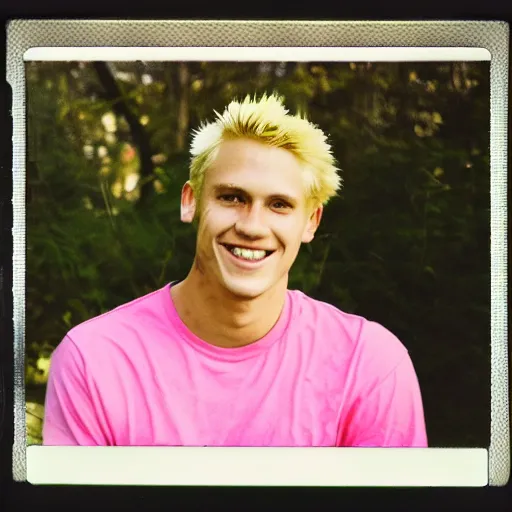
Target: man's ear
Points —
{"points": [[188, 203], [312, 225]]}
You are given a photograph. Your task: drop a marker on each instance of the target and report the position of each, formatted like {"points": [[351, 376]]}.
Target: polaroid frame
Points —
{"points": [[352, 41]]}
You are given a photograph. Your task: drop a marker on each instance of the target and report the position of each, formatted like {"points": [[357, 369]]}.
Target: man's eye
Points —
{"points": [[231, 198], [280, 205]]}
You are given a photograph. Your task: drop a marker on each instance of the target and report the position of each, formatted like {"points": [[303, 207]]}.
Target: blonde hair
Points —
{"points": [[268, 121]]}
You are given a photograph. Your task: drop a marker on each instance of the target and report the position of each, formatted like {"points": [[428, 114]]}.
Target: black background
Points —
{"points": [[23, 496]]}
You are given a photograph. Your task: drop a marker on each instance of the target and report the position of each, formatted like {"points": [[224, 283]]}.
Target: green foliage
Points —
{"points": [[405, 244]]}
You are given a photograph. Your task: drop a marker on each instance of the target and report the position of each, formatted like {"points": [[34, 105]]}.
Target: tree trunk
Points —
{"points": [[183, 118], [139, 134]]}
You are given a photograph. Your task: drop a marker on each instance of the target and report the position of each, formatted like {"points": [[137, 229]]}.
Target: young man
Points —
{"points": [[230, 356]]}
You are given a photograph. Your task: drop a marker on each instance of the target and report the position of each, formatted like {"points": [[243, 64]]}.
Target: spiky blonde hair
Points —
{"points": [[268, 121]]}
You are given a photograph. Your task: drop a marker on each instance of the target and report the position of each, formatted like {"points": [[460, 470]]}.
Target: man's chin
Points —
{"points": [[246, 290]]}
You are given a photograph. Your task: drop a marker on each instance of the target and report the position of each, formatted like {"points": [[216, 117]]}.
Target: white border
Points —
{"points": [[383, 467], [258, 54]]}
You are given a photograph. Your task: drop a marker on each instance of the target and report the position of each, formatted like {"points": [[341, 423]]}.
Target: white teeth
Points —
{"points": [[248, 254]]}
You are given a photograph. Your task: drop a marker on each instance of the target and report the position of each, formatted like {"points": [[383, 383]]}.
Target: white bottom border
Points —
{"points": [[324, 467]]}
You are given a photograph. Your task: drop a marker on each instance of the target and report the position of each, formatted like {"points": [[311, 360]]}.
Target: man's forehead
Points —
{"points": [[257, 178], [243, 153], [279, 180]]}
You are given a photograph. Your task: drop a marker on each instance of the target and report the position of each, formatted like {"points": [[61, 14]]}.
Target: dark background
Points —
{"points": [[406, 244]]}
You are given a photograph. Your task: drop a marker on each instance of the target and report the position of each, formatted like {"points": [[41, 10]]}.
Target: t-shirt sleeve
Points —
{"points": [[70, 417], [389, 413]]}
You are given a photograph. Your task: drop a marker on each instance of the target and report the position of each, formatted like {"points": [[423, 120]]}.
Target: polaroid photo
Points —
{"points": [[260, 253]]}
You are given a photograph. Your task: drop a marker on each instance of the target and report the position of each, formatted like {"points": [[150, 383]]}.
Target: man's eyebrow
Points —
{"points": [[289, 199], [229, 186]]}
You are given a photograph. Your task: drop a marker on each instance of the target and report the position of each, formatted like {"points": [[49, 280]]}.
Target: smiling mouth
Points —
{"points": [[246, 254]]}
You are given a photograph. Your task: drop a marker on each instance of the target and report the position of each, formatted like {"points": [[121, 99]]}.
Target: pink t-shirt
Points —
{"points": [[136, 376]]}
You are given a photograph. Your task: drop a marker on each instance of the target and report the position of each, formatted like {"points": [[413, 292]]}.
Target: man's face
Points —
{"points": [[254, 216]]}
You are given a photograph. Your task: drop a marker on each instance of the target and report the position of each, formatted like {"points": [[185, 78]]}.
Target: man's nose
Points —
{"points": [[251, 223]]}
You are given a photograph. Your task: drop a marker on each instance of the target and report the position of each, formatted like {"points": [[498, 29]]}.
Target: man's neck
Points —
{"points": [[217, 317]]}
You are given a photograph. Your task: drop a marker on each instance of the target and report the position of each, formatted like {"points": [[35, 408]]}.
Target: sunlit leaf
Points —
{"points": [[159, 186], [110, 138], [117, 189], [66, 318], [158, 159], [130, 182], [436, 117], [88, 151], [109, 122], [102, 151], [324, 84], [43, 365], [197, 85], [419, 131], [431, 86], [317, 70], [146, 79]]}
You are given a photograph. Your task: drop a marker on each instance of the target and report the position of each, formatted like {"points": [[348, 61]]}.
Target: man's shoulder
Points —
{"points": [[324, 315], [121, 322], [334, 325]]}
